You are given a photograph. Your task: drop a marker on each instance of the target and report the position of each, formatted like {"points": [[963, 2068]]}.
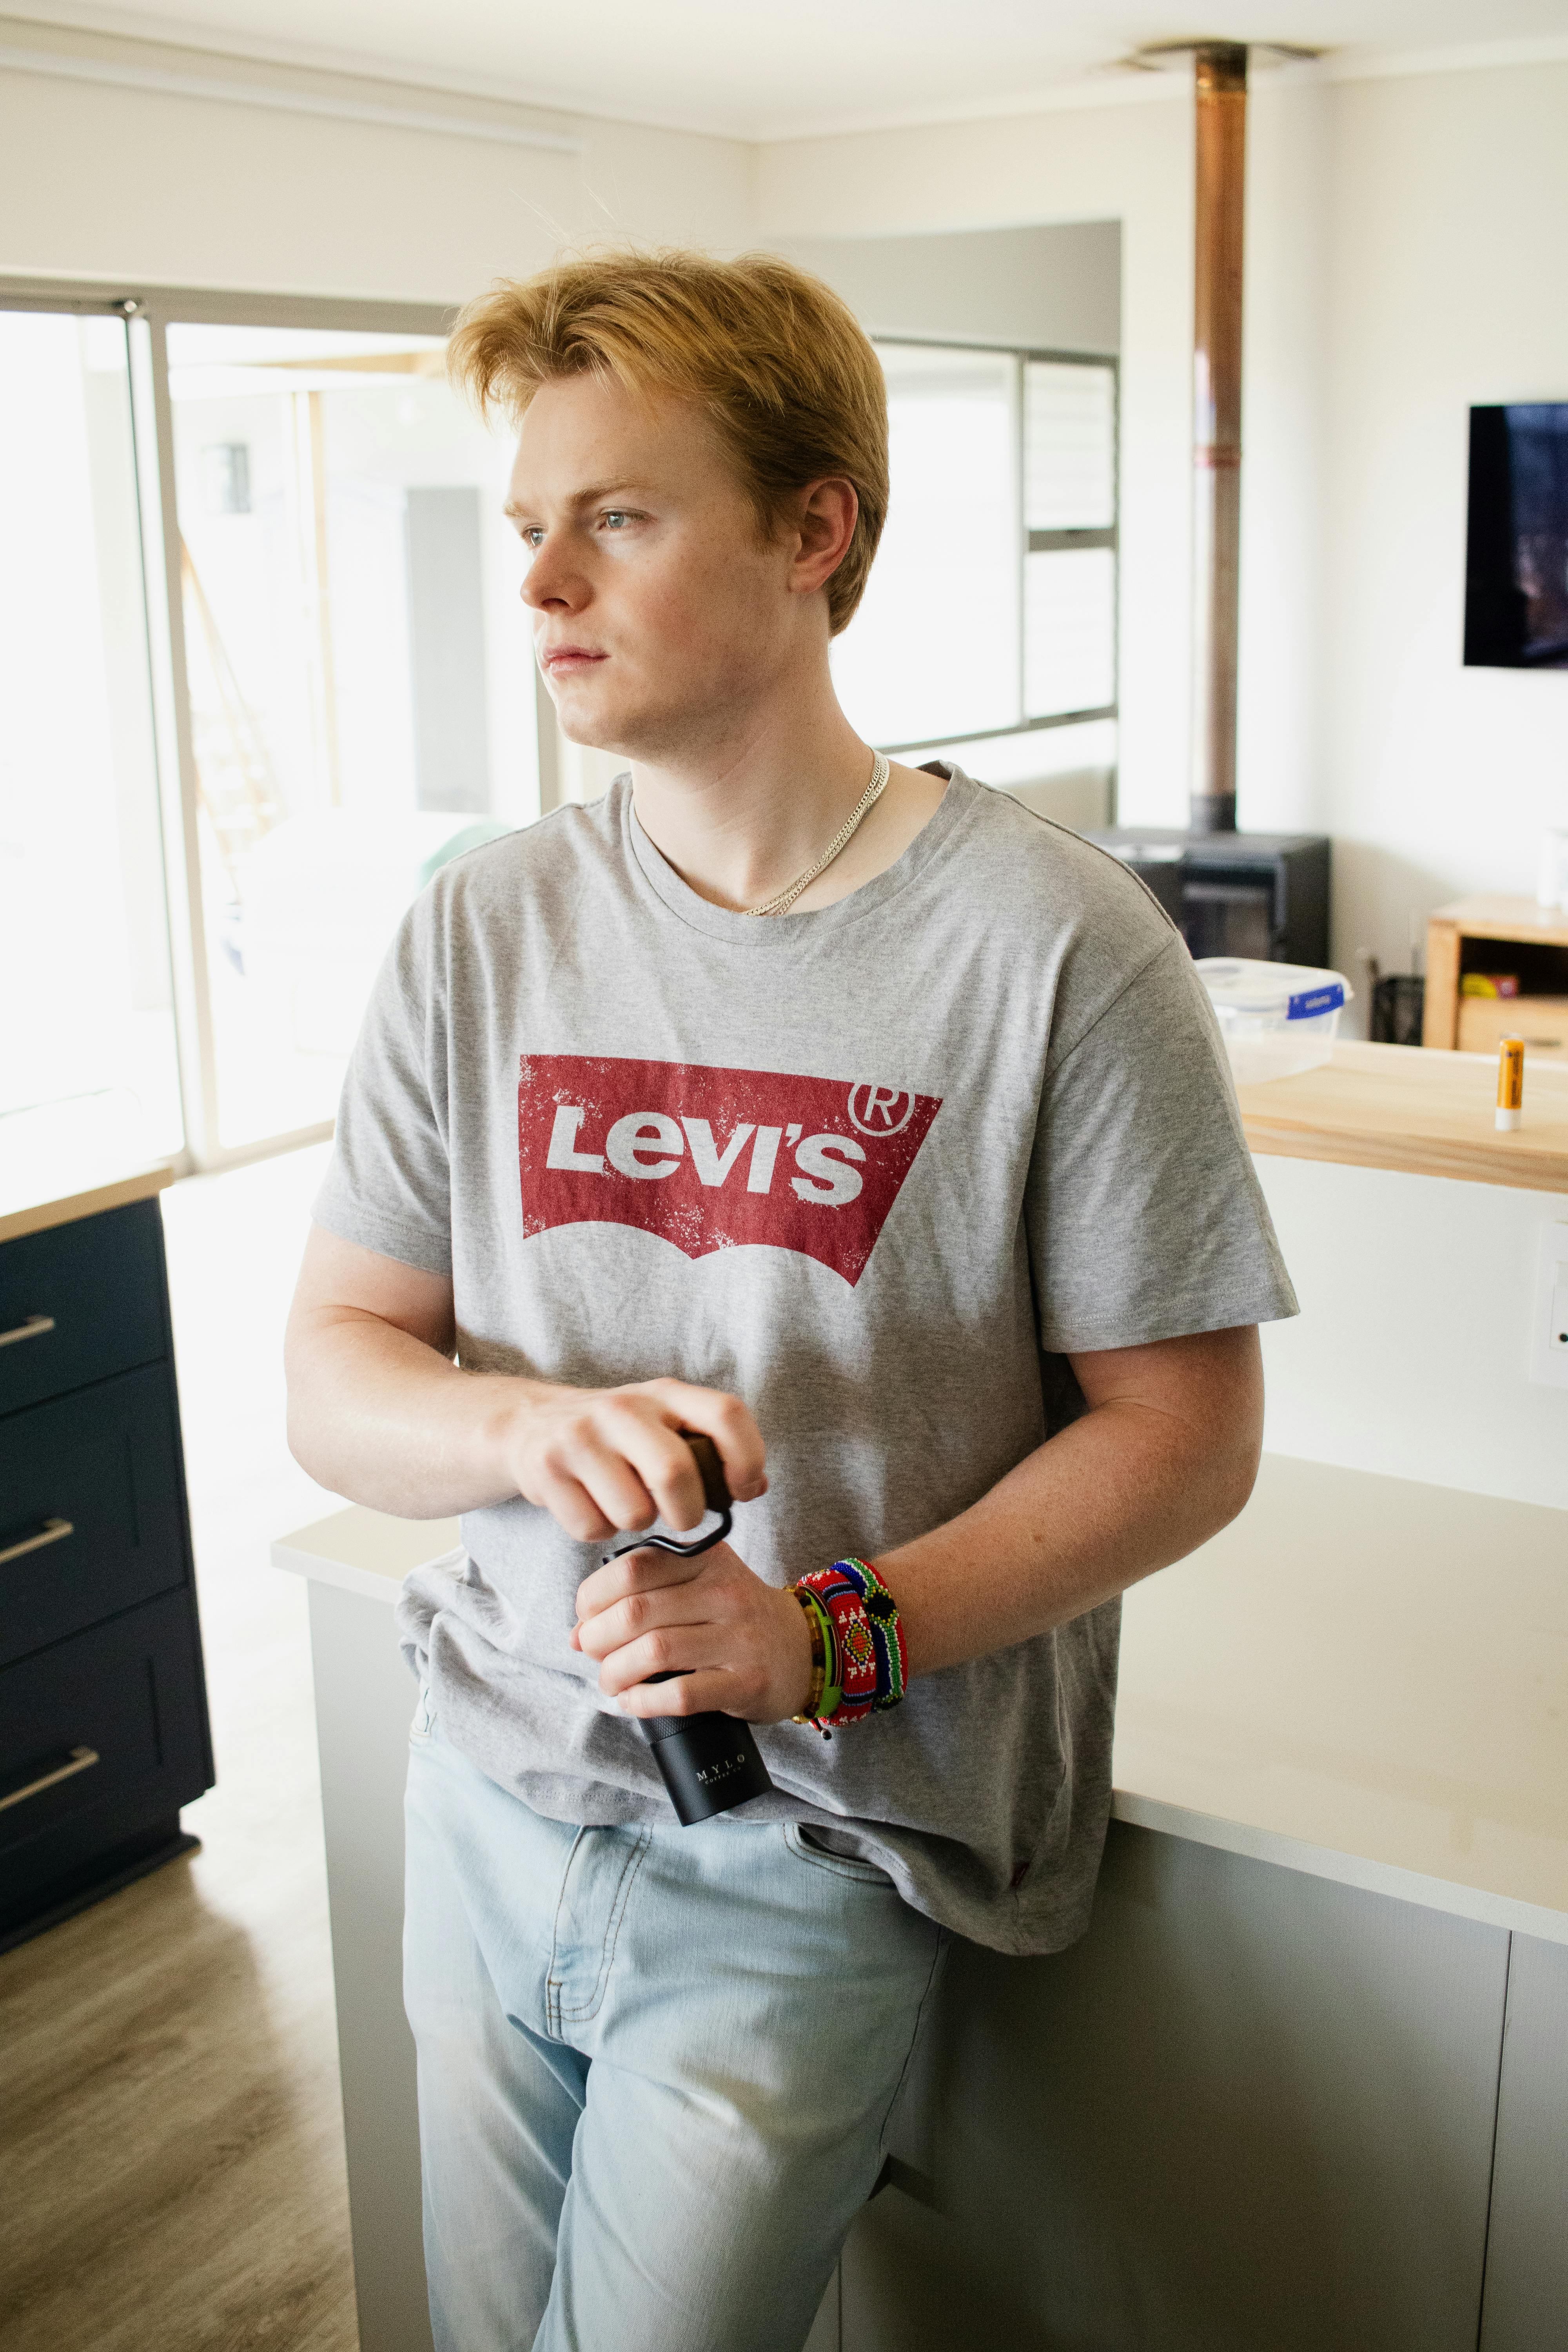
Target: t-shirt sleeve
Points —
{"points": [[387, 1185], [1146, 1217]]}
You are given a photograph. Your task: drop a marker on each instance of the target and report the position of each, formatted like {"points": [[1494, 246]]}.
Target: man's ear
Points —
{"points": [[825, 519]]}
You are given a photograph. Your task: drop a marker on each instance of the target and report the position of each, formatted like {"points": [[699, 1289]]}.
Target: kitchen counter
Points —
{"points": [[1365, 1678], [1415, 1110], [36, 1216], [70, 1159], [1338, 1857]]}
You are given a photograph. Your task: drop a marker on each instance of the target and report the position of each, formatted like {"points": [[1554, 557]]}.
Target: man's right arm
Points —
{"points": [[379, 1412]]}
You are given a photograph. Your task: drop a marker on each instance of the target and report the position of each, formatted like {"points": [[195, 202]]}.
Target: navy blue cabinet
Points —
{"points": [[103, 1721]]}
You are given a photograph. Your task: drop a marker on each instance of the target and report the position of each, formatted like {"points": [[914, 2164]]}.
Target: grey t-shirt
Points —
{"points": [[875, 1169]]}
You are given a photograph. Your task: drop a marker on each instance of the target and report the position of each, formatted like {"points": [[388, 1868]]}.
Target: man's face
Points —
{"points": [[659, 614]]}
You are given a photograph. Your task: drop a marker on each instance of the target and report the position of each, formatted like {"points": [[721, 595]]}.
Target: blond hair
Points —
{"points": [[777, 360]]}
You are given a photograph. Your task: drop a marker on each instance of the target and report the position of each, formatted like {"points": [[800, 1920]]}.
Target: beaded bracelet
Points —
{"points": [[823, 1655], [868, 1663]]}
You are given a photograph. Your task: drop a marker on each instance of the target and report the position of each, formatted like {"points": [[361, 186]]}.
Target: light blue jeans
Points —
{"points": [[656, 2067]]}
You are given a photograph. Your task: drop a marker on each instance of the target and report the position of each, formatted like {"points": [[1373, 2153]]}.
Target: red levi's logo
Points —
{"points": [[712, 1158]]}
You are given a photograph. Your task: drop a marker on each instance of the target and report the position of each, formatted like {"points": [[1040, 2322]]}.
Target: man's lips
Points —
{"points": [[560, 660]]}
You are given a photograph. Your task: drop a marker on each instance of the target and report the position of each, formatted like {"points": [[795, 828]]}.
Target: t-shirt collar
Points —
{"points": [[768, 933]]}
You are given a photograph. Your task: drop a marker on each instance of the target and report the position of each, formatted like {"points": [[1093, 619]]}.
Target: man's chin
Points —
{"points": [[599, 726], [585, 717]]}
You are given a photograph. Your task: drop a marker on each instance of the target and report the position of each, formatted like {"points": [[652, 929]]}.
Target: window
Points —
{"points": [[265, 669], [358, 675], [991, 609]]}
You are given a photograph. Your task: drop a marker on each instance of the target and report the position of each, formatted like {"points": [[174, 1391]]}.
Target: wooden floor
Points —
{"points": [[170, 2139]]}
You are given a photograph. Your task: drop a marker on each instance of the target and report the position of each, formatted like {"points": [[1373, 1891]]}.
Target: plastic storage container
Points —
{"points": [[1275, 1018]]}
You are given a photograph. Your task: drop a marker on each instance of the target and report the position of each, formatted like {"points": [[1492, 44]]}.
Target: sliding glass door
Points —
{"points": [[88, 1065]]}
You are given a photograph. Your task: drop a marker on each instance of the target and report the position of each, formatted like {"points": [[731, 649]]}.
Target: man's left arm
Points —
{"points": [[1163, 1456]]}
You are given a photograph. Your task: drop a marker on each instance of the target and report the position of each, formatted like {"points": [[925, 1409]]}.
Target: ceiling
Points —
{"points": [[762, 68]]}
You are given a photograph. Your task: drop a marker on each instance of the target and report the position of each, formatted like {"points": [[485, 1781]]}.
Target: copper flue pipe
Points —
{"points": [[1220, 71]]}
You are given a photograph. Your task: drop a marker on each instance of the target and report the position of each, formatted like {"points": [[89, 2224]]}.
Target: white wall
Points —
{"points": [[148, 187], [1448, 229], [1056, 287], [1130, 161]]}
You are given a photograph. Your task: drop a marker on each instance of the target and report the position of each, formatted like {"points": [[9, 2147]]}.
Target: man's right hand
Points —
{"points": [[379, 1412], [599, 1460]]}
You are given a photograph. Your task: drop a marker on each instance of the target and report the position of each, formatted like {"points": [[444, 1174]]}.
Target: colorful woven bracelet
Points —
{"points": [[872, 1664], [823, 1652]]}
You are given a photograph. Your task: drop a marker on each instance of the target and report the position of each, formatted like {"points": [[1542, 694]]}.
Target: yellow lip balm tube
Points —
{"points": [[1510, 1084]]}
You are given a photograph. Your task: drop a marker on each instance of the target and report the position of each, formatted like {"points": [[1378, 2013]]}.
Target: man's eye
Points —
{"points": [[533, 539], [614, 518]]}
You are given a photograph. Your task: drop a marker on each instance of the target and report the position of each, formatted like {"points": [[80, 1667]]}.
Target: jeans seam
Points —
{"points": [[630, 1869], [551, 1982], [942, 1940]]}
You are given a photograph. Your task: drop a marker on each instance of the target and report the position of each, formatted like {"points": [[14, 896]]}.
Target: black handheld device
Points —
{"points": [[707, 1762]]}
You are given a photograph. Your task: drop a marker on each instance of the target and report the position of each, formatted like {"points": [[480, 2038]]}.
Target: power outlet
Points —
{"points": [[1549, 1309]]}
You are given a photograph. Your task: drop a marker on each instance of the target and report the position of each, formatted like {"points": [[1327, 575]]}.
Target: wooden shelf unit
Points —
{"points": [[1498, 934]]}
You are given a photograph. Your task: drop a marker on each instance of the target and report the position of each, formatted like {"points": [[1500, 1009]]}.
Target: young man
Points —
{"points": [[924, 1197]]}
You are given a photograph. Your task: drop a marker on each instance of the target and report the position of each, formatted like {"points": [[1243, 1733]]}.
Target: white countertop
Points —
{"points": [[368, 1552], [1365, 1678]]}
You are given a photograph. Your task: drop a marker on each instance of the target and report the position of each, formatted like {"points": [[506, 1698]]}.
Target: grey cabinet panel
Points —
{"points": [[1252, 2109], [1527, 2246], [364, 1704], [824, 2336]]}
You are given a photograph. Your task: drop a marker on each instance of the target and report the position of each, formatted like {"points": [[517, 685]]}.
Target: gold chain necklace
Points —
{"points": [[785, 899]]}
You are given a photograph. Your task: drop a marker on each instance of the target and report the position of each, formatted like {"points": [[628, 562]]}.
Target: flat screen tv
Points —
{"points": [[1516, 564]]}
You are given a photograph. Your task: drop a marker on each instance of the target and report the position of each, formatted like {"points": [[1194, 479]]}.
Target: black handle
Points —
{"points": [[707, 1763]]}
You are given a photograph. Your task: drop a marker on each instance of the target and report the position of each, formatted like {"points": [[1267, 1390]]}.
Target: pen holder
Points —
{"points": [[707, 1763]]}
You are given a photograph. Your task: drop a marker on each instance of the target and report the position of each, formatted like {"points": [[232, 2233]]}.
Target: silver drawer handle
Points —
{"points": [[33, 1328], [77, 1759], [52, 1531]]}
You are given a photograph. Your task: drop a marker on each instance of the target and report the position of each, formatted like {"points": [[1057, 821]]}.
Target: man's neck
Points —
{"points": [[743, 821]]}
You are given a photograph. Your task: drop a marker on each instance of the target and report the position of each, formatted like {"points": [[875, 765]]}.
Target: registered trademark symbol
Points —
{"points": [[880, 1111]]}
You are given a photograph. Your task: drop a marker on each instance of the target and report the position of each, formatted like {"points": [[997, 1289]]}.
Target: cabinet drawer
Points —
{"points": [[91, 1514], [80, 1302], [98, 1736], [1541, 1021]]}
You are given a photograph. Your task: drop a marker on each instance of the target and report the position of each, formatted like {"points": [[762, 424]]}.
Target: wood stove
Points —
{"points": [[1233, 894], [1236, 894]]}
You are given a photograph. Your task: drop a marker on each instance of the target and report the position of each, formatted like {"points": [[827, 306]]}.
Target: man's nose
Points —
{"points": [[551, 582]]}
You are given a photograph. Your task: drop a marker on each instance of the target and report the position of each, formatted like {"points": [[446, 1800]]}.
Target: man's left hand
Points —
{"points": [[738, 1646]]}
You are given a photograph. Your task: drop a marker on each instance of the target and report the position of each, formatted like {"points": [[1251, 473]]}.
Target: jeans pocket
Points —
{"points": [[802, 1842]]}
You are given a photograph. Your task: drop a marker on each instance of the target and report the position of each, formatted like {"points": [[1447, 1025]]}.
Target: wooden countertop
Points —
{"points": [[37, 1217], [68, 1160], [1423, 1112], [1365, 1678]]}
